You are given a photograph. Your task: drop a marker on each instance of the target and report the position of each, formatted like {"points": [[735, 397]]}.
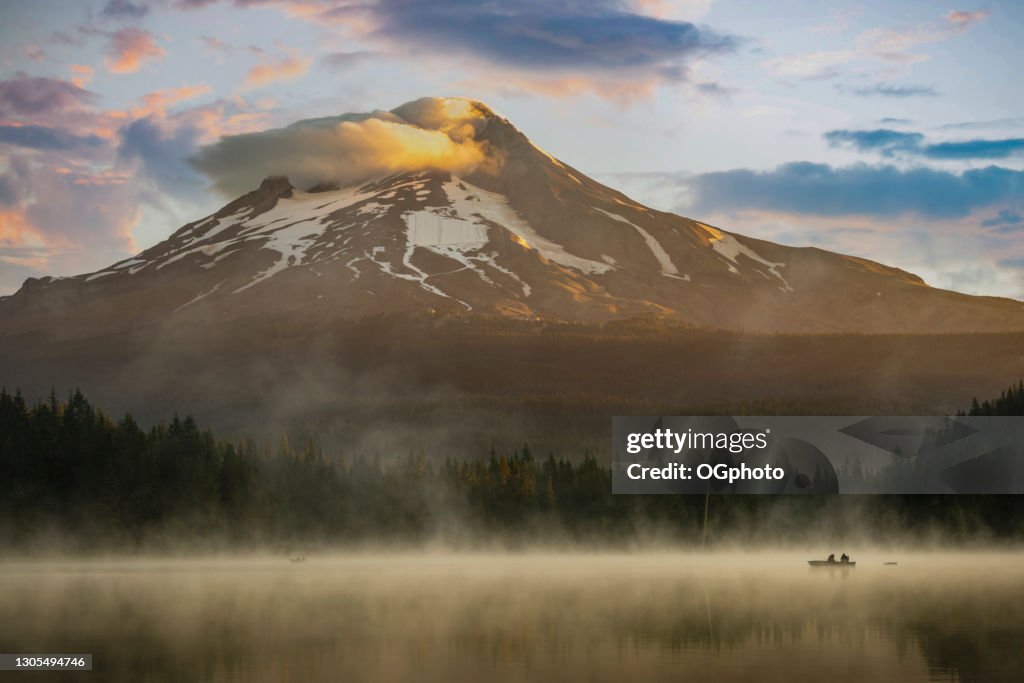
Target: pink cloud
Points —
{"points": [[287, 68], [71, 219], [65, 212], [964, 19], [14, 229], [158, 101], [129, 48], [894, 46], [81, 74]]}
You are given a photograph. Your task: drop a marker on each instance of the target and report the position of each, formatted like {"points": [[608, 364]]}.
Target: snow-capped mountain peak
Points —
{"points": [[516, 232]]}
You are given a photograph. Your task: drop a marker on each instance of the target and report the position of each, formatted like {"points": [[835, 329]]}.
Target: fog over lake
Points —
{"points": [[524, 616]]}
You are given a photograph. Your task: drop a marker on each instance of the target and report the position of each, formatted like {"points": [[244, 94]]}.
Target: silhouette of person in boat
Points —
{"points": [[845, 559], [831, 558]]}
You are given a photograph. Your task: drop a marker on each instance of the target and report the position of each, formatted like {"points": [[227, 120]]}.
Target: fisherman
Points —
{"points": [[844, 558], [831, 558]]}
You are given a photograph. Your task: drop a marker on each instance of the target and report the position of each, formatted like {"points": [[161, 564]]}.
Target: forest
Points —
{"points": [[74, 479]]}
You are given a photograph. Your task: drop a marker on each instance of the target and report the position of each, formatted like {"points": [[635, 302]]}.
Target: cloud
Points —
{"points": [[687, 10], [886, 45], [888, 90], [895, 44], [158, 101], [884, 140], [74, 216], [155, 141], [964, 19], [540, 35], [892, 121], [1005, 220], [15, 233], [33, 96], [75, 179], [285, 68], [614, 48], [513, 84], [123, 9], [8, 190], [715, 90], [129, 48], [345, 60], [432, 133], [890, 142], [1012, 262], [44, 137], [160, 152], [860, 189], [82, 74], [976, 149], [537, 44], [1017, 122], [812, 65]]}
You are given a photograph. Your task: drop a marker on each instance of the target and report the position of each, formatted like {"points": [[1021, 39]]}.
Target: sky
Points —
{"points": [[891, 130]]}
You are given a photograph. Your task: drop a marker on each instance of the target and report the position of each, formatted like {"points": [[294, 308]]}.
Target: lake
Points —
{"points": [[523, 617]]}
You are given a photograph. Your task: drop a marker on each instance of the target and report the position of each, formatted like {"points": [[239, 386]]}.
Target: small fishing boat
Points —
{"points": [[833, 564]]}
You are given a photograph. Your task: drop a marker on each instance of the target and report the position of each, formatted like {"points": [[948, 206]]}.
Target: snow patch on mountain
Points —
{"points": [[468, 200], [490, 260], [430, 229], [132, 265], [731, 248], [291, 243], [418, 276], [304, 215], [289, 228], [457, 237], [217, 225], [664, 260]]}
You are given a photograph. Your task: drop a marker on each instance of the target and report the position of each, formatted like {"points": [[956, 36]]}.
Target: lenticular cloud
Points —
{"points": [[426, 134]]}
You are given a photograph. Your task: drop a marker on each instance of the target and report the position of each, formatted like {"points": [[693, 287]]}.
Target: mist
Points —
{"points": [[593, 617]]}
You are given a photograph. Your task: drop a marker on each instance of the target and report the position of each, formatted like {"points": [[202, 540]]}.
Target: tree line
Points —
{"points": [[72, 475], [1010, 402]]}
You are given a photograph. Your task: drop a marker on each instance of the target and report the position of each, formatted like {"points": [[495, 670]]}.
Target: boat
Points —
{"points": [[826, 563]]}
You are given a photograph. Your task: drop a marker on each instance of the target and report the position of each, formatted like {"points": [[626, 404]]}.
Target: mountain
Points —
{"points": [[526, 236]]}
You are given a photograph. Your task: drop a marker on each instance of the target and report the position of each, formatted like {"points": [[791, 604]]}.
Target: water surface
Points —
{"points": [[586, 617]]}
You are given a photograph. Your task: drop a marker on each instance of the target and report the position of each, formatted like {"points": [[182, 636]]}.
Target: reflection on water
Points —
{"points": [[523, 617]]}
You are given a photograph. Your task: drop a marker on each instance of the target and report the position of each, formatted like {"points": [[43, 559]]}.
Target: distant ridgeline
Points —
{"points": [[74, 479]]}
